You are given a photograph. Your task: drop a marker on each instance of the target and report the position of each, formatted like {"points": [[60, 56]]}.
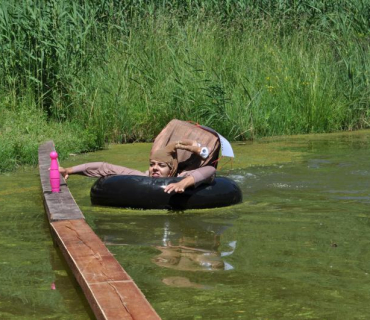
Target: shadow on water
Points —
{"points": [[296, 248]]}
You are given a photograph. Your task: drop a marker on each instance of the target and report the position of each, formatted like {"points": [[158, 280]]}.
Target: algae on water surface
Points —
{"points": [[295, 248]]}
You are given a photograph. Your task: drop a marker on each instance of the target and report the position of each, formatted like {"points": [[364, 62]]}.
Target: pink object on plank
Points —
{"points": [[54, 172]]}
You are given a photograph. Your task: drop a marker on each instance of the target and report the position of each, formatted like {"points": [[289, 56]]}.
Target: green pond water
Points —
{"points": [[298, 247]]}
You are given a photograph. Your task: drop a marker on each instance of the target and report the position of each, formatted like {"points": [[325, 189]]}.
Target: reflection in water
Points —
{"points": [[182, 282], [193, 259], [185, 243], [199, 252], [187, 258]]}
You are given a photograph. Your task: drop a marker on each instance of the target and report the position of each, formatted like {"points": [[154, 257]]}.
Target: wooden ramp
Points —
{"points": [[110, 291]]}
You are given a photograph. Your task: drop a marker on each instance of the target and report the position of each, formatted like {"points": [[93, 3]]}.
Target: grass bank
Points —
{"points": [[25, 128], [106, 71]]}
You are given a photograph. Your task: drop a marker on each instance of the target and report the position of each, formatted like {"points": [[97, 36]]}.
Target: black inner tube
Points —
{"points": [[147, 193]]}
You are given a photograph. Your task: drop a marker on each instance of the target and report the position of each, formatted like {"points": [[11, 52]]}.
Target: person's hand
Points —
{"points": [[64, 172], [179, 187], [188, 145]]}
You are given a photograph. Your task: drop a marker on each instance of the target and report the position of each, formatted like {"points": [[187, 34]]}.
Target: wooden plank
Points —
{"points": [[62, 205], [126, 292], [110, 291]]}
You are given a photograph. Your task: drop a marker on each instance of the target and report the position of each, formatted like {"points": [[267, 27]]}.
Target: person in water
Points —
{"points": [[162, 163]]}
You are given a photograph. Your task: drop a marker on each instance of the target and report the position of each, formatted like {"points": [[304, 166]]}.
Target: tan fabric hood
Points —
{"points": [[167, 155]]}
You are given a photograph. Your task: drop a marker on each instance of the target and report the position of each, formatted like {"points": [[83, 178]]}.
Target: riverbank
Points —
{"points": [[248, 70]]}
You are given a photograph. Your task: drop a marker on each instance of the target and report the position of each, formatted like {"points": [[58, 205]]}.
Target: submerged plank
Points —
{"points": [[110, 291]]}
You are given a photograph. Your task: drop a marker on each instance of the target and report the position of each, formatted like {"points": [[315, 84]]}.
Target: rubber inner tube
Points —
{"points": [[147, 193]]}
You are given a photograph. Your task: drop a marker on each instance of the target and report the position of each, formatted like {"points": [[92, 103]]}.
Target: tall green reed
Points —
{"points": [[243, 84], [45, 45], [120, 70]]}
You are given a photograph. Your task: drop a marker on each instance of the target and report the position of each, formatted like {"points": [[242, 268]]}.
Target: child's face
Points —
{"points": [[158, 169]]}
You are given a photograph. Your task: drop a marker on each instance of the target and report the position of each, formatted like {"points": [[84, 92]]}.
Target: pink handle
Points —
{"points": [[54, 172]]}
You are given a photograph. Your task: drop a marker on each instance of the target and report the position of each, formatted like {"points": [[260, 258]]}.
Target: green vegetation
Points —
{"points": [[84, 73]]}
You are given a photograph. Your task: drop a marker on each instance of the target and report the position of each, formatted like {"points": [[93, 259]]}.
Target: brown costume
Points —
{"points": [[199, 169], [177, 130]]}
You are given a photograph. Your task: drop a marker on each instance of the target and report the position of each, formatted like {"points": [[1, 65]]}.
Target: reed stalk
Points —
{"points": [[118, 71]]}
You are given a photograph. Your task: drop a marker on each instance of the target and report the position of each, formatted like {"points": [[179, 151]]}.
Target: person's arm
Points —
{"points": [[91, 169], [193, 146], [98, 169], [179, 187], [65, 172], [192, 178], [201, 175], [189, 145]]}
